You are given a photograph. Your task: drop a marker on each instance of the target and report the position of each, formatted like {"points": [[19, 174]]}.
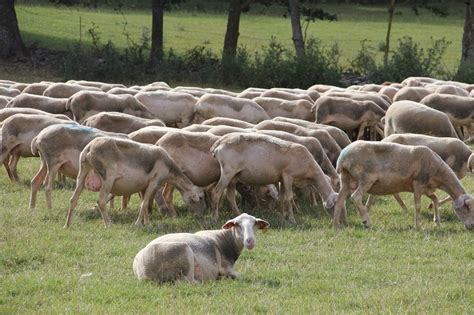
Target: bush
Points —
{"points": [[408, 59], [274, 66], [466, 72]]}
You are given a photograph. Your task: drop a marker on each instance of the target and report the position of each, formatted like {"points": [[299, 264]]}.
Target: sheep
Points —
{"points": [[211, 105], [44, 103], [19, 86], [119, 122], [173, 108], [124, 167], [257, 159], [9, 92], [314, 95], [454, 152], [322, 88], [418, 81], [382, 168], [452, 90], [101, 85], [120, 91], [194, 91], [59, 147], [87, 103], [412, 117], [10, 111], [381, 100], [4, 101], [197, 128], [331, 148], [36, 88], [251, 93], [150, 134], [16, 135], [205, 255], [217, 121], [285, 95], [389, 91], [274, 107], [348, 114], [339, 135], [459, 109], [66, 90], [223, 130], [410, 93]]}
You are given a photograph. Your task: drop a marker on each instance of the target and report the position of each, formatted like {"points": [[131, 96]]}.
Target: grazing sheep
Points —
{"points": [[36, 88], [258, 159], [275, 107], [16, 135], [452, 90], [382, 168], [389, 91], [44, 103], [197, 128], [10, 111], [173, 108], [331, 148], [285, 95], [119, 122], [59, 147], [323, 88], [205, 255], [120, 91], [251, 93], [381, 100], [348, 114], [339, 135], [460, 109], [123, 168], [101, 85], [66, 90], [212, 105], [4, 101], [193, 90], [9, 92], [217, 121], [150, 134], [86, 103], [410, 93], [412, 117], [224, 130]]}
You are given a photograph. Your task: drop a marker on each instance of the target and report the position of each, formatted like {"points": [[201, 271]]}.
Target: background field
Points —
{"points": [[58, 27], [307, 268]]}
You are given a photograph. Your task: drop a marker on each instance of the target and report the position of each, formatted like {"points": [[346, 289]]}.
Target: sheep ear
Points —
{"points": [[262, 224], [461, 201], [229, 224]]}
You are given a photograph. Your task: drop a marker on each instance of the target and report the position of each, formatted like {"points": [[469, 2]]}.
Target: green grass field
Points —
{"points": [[307, 268], [59, 27]]}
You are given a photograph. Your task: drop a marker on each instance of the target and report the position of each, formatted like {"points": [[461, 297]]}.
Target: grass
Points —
{"points": [[307, 268], [58, 28]]}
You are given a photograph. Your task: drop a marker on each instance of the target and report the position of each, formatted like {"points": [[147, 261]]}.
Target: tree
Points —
{"points": [[468, 36], [158, 7], [11, 44], [298, 41], [233, 23], [391, 9]]}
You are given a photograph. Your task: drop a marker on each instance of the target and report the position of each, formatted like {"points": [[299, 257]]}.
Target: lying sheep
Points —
{"points": [[211, 105], [173, 108], [119, 122], [123, 168], [16, 135], [348, 114], [409, 93], [46, 104], [240, 158], [454, 152], [205, 255], [412, 117], [331, 148], [217, 121], [85, 104], [66, 90], [275, 107], [339, 135], [59, 147], [459, 109], [381, 168]]}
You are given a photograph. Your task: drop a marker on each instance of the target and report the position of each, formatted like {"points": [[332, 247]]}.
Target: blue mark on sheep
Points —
{"points": [[80, 127]]}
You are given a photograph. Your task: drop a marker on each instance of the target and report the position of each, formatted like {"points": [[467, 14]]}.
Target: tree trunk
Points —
{"points": [[391, 9], [156, 52], [11, 44], [232, 31], [296, 27], [468, 36]]}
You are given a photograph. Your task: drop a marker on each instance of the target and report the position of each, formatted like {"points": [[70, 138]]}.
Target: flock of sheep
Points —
{"points": [[266, 144]]}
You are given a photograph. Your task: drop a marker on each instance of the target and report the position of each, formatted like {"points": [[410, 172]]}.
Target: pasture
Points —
{"points": [[307, 268], [59, 27]]}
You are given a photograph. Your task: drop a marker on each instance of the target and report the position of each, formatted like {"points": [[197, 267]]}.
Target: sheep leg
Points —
{"points": [[369, 202], [417, 197], [7, 168], [340, 206], [15, 157], [147, 195], [400, 202], [230, 195], [218, 190], [168, 198], [81, 179], [468, 132], [104, 193], [436, 216], [357, 198], [373, 135], [36, 183], [48, 187], [287, 182], [124, 202], [360, 134], [110, 200], [379, 130]]}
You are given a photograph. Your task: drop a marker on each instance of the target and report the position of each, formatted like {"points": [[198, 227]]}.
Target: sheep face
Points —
{"points": [[244, 229], [194, 200], [464, 206]]}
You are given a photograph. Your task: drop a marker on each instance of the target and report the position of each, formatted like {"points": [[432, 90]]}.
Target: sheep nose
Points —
{"points": [[250, 243]]}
